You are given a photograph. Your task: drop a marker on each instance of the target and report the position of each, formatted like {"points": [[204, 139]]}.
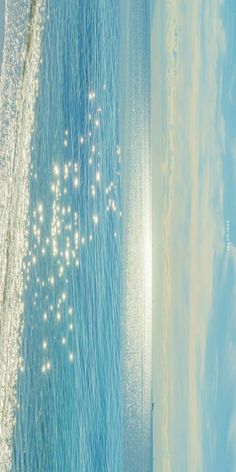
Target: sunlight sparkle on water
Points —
{"points": [[95, 219], [71, 357], [56, 230]]}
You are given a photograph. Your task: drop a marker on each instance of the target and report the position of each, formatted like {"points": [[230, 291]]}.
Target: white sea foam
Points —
{"points": [[18, 91]]}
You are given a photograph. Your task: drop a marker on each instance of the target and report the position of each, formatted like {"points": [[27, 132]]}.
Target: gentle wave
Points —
{"points": [[18, 92]]}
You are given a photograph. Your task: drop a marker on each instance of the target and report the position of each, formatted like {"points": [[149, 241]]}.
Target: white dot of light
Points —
{"points": [[66, 172], [76, 235], [95, 219], [45, 316], [51, 280], [81, 140], [71, 357], [48, 365], [63, 341], [56, 170], [91, 95], [76, 182], [70, 310], [45, 345], [98, 176]]}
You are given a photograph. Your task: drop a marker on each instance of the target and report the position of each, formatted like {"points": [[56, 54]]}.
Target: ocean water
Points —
{"points": [[69, 390], [69, 211], [135, 101]]}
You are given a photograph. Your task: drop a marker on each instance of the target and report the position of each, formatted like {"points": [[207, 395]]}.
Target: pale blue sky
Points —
{"points": [[194, 180], [219, 393]]}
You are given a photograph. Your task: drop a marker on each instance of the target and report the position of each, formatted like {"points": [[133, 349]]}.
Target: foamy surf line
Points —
{"points": [[18, 91], [2, 18]]}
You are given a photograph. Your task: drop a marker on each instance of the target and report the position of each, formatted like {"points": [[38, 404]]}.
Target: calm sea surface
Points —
{"points": [[69, 416], [83, 229]]}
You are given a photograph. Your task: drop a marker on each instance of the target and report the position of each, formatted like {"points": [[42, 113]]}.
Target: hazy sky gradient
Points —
{"points": [[191, 57]]}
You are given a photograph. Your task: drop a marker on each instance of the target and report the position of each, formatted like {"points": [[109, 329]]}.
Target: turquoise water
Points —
{"points": [[75, 233], [69, 395]]}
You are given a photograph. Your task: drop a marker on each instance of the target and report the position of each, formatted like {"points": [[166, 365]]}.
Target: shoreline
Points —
{"points": [[2, 31], [15, 137]]}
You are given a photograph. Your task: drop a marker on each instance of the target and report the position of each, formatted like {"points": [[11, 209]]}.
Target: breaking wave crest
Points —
{"points": [[24, 21]]}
